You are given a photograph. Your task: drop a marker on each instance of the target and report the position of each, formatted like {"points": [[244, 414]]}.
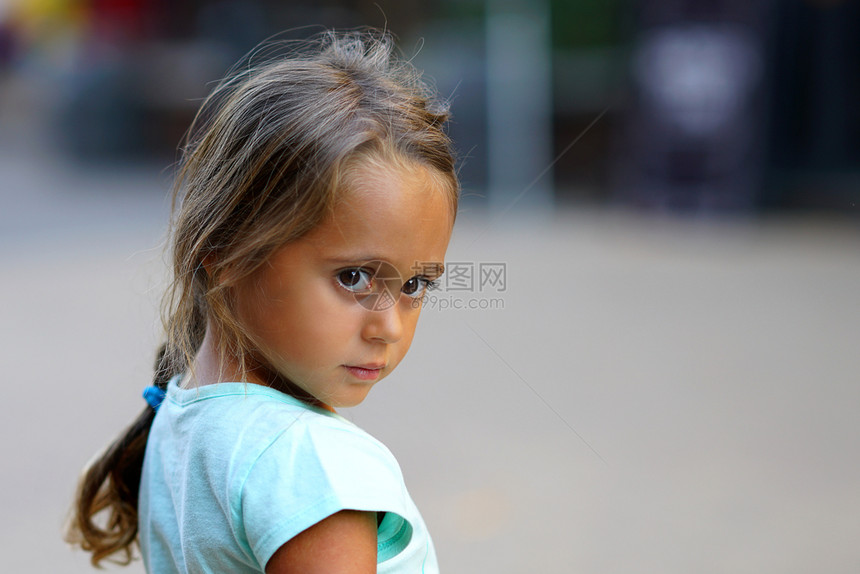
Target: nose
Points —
{"points": [[383, 325]]}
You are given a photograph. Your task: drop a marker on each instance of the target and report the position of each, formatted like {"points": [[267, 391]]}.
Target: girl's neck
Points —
{"points": [[208, 366], [211, 367]]}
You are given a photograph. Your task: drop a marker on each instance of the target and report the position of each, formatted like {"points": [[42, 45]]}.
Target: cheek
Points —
{"points": [[288, 319], [409, 324], [308, 321]]}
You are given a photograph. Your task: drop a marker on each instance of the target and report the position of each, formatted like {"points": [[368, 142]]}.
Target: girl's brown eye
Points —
{"points": [[411, 286], [417, 286], [356, 280]]}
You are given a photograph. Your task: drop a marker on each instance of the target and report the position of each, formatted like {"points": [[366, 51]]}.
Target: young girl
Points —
{"points": [[317, 197]]}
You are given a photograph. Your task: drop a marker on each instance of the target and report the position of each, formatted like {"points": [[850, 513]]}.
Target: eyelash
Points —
{"points": [[429, 284]]}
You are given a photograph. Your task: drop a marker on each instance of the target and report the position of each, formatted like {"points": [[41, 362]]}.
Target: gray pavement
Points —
{"points": [[656, 395]]}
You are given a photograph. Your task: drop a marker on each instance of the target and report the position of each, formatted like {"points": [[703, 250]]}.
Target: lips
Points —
{"points": [[367, 372]]}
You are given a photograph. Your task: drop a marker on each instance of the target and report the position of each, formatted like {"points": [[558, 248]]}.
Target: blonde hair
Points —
{"points": [[263, 164]]}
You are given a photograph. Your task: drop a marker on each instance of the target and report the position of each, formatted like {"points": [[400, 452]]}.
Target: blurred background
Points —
{"points": [[667, 378]]}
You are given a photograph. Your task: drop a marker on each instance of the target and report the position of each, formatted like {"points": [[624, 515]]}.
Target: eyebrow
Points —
{"points": [[360, 257], [428, 268]]}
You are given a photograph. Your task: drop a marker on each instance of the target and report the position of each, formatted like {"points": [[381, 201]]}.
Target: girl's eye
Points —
{"points": [[356, 280], [417, 286]]}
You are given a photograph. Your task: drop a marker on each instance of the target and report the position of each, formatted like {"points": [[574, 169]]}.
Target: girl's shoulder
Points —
{"points": [[253, 422]]}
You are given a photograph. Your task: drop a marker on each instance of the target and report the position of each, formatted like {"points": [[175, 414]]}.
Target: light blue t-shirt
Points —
{"points": [[233, 471]]}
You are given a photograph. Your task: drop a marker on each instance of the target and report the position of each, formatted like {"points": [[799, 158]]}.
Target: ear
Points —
{"points": [[209, 264]]}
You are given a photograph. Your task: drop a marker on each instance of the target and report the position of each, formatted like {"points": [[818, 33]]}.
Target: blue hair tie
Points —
{"points": [[154, 396]]}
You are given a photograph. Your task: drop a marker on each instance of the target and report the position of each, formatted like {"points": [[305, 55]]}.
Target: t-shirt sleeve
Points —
{"points": [[311, 471]]}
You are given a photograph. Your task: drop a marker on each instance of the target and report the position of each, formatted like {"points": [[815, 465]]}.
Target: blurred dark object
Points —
{"points": [[137, 104], [695, 127], [739, 107], [142, 70], [814, 130], [588, 71], [8, 45], [143, 66]]}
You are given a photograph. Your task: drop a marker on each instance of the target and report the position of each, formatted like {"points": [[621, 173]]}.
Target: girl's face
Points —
{"points": [[335, 311]]}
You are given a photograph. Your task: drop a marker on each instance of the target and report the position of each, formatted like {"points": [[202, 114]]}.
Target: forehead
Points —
{"points": [[392, 183], [393, 212]]}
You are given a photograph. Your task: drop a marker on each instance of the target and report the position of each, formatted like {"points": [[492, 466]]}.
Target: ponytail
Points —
{"points": [[110, 484]]}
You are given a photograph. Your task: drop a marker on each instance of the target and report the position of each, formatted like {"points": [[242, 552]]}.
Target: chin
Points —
{"points": [[347, 400]]}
